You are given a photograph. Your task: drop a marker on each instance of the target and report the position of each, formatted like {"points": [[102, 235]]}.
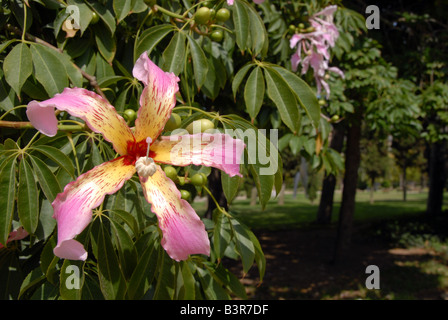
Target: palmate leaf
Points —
{"points": [[260, 259], [230, 185], [105, 14], [306, 97], [239, 76], [57, 156], [244, 245], [258, 36], [8, 192], [47, 180], [48, 69], [212, 288], [166, 279], [200, 64], [106, 43], [72, 278], [112, 281], [242, 24], [18, 67], [185, 289], [27, 198], [127, 253], [254, 92], [227, 279], [149, 39], [283, 97], [261, 157], [121, 9], [222, 234], [144, 272], [174, 54]]}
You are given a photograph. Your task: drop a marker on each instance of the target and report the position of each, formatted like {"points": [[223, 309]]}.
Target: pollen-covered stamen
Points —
{"points": [[145, 166], [148, 141]]}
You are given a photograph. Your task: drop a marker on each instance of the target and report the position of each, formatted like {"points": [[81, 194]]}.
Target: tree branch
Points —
{"points": [[28, 125]]}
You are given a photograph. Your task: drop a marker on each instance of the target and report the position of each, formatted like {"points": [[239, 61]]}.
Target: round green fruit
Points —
{"points": [[203, 15], [335, 118], [222, 15], [181, 180], [203, 125], [198, 180], [185, 194], [170, 172], [208, 4], [173, 122], [322, 102], [217, 35], [130, 115], [212, 13], [95, 18]]}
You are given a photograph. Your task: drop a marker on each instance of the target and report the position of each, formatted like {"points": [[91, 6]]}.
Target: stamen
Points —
{"points": [[145, 166], [148, 141]]}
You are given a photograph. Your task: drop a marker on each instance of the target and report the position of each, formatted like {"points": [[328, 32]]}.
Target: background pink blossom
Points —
{"points": [[313, 48]]}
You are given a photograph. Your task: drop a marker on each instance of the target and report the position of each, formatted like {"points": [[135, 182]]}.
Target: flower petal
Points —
{"points": [[157, 100], [73, 207], [18, 234], [327, 12], [98, 114], [217, 150], [183, 231]]}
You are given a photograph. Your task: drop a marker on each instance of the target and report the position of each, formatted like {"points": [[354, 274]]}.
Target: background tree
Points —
{"points": [[414, 38], [375, 161]]}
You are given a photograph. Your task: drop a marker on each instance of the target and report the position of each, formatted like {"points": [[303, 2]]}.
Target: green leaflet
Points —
{"points": [[254, 92], [27, 198], [18, 66], [174, 54], [200, 64], [8, 192], [48, 67], [282, 96], [149, 38], [112, 281]]}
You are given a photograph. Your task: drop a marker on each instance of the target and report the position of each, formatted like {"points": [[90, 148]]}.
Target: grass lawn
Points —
{"points": [[300, 212], [413, 261]]}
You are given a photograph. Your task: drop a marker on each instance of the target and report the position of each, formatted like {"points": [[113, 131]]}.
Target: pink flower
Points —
{"points": [[139, 150], [18, 234], [313, 48], [230, 2]]}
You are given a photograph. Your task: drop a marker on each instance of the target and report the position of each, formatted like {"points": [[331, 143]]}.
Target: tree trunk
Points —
{"points": [[325, 210], [437, 178], [405, 182], [372, 191], [253, 196], [215, 186], [281, 195], [352, 162]]}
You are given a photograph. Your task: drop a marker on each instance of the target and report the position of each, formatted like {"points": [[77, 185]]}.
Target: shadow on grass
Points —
{"points": [[299, 252], [299, 268]]}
